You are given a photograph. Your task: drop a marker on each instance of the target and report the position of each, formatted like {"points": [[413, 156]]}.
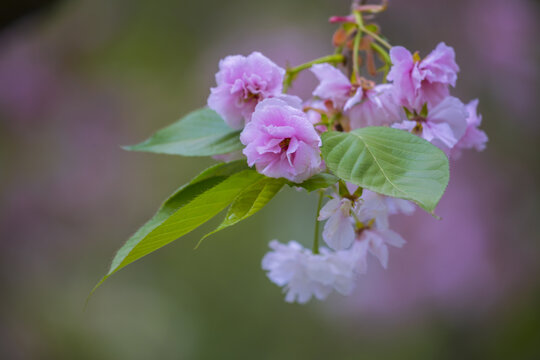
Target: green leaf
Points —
{"points": [[201, 133], [316, 182], [388, 161], [189, 207], [221, 169], [249, 202]]}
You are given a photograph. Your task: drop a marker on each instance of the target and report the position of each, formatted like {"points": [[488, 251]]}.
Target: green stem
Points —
{"points": [[383, 53], [378, 38], [334, 58], [356, 45], [316, 235], [385, 57], [292, 72]]}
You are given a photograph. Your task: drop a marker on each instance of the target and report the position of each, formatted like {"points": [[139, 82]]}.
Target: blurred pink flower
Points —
{"points": [[30, 82], [473, 137], [504, 36]]}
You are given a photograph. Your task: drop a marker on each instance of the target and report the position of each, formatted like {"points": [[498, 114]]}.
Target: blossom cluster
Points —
{"points": [[354, 228], [280, 140], [281, 135]]}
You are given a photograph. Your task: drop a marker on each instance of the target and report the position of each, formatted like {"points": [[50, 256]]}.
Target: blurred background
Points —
{"points": [[80, 78]]}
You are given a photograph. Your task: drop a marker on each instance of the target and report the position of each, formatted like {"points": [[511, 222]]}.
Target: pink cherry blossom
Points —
{"points": [[444, 125], [374, 107], [242, 82], [365, 107], [473, 137], [423, 81], [281, 142], [334, 85]]}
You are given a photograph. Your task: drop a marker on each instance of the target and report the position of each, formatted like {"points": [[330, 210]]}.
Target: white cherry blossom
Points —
{"points": [[303, 274]]}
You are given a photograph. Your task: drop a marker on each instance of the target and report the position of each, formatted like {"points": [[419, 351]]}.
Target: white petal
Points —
{"points": [[380, 250], [354, 100], [399, 206], [405, 125], [442, 132], [372, 206], [338, 231], [329, 209], [291, 100], [358, 255], [393, 238]]}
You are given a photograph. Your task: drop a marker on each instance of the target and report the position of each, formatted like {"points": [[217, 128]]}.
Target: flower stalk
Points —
{"points": [[356, 46], [293, 72], [377, 37], [316, 231]]}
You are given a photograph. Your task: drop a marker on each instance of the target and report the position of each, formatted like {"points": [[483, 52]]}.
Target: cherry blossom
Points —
{"points": [[419, 81], [242, 82], [303, 274], [281, 142], [444, 125]]}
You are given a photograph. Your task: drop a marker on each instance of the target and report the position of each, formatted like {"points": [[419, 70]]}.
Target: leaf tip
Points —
{"points": [[93, 291], [437, 217], [129, 147], [200, 242]]}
